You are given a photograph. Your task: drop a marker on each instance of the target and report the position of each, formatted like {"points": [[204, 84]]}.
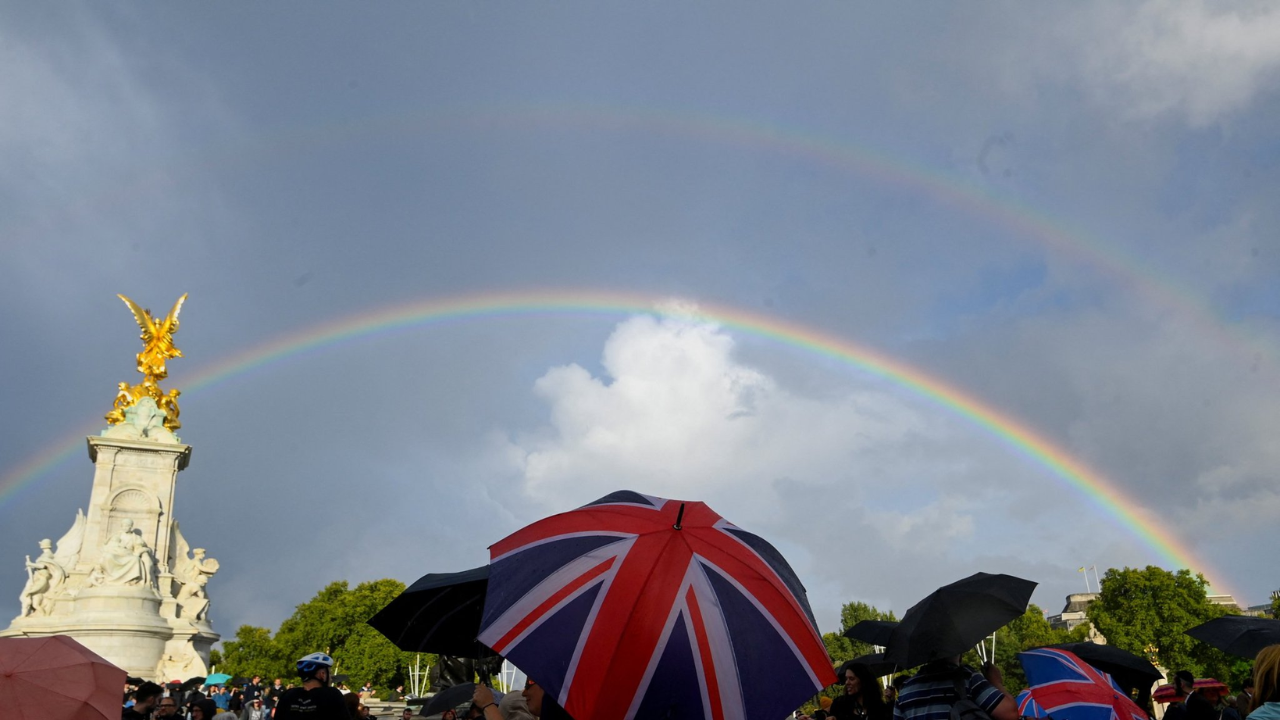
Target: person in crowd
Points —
{"points": [[314, 699], [406, 714], [362, 712], [220, 697], [514, 707], [862, 698], [1196, 706], [145, 699], [932, 692], [1266, 685], [203, 709], [824, 709], [395, 695], [274, 692], [366, 690], [167, 708], [253, 710], [1244, 700], [253, 689], [540, 706], [449, 714], [352, 701]]}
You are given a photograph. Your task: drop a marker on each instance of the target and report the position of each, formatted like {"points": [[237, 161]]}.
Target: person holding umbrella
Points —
{"points": [[931, 694]]}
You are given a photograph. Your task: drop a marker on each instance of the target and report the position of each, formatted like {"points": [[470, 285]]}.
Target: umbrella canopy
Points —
{"points": [[1067, 688], [451, 698], [1028, 707], [217, 679], [1128, 670], [956, 617], [1238, 635], [637, 606], [57, 678], [875, 662], [876, 632], [440, 613], [192, 684], [1168, 693]]}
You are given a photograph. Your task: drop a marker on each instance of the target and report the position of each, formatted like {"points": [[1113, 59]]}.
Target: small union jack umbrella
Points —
{"points": [[637, 607], [1067, 688]]}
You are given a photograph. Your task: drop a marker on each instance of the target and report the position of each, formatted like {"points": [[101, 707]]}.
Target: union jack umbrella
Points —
{"points": [[640, 607], [1067, 688], [1028, 707]]}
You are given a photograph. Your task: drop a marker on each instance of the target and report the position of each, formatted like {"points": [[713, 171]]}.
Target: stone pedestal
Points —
{"points": [[120, 578]]}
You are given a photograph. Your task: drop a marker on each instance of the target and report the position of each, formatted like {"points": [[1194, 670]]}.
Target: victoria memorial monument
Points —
{"points": [[123, 580]]}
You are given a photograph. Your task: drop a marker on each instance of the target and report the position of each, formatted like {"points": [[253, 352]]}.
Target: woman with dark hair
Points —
{"points": [[862, 699]]}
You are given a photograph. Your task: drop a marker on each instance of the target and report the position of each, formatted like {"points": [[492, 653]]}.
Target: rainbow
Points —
{"points": [[1014, 434]]}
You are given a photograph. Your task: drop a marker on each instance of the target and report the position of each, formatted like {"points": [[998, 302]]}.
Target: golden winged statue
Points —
{"points": [[157, 347]]}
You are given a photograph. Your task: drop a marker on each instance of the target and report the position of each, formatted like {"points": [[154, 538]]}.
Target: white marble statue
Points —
{"points": [[126, 560], [44, 577], [194, 574], [144, 420]]}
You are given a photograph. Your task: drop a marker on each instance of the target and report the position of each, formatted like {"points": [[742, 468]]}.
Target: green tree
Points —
{"points": [[1275, 605], [253, 652], [1029, 630], [334, 622], [1150, 608], [852, 614]]}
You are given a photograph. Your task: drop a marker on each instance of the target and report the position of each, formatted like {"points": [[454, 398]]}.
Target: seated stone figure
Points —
{"points": [[126, 560], [144, 420]]}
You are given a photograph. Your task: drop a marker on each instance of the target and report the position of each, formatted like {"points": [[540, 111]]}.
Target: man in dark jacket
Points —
{"points": [[144, 701]]}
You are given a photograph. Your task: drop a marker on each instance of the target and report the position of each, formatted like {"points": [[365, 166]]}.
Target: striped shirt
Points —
{"points": [[930, 695]]}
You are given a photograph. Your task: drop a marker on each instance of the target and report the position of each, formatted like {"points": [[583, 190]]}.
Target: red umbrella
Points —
{"points": [[640, 607], [1167, 693], [57, 678]]}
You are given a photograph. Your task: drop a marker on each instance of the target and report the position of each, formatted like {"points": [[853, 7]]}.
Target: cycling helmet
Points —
{"points": [[309, 665]]}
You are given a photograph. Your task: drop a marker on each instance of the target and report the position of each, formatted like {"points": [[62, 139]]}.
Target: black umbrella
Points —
{"points": [[1129, 671], [339, 679], [192, 684], [875, 662], [876, 632], [956, 617], [440, 613], [1239, 635], [452, 698]]}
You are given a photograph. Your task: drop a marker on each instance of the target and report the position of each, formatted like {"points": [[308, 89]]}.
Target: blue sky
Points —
{"points": [[290, 163]]}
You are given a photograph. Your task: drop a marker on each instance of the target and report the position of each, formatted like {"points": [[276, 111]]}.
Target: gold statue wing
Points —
{"points": [[170, 325], [143, 319]]}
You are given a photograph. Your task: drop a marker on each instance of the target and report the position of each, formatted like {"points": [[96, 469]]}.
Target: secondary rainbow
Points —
{"points": [[1015, 434]]}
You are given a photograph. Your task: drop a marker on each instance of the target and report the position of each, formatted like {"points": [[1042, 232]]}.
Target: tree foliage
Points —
{"points": [[1147, 611], [1029, 630], [333, 622]]}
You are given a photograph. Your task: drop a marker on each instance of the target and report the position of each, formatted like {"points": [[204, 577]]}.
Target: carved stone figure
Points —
{"points": [[194, 573], [44, 576], [126, 560], [144, 420]]}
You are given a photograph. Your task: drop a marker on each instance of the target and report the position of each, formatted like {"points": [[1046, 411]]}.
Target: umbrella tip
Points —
{"points": [[679, 517]]}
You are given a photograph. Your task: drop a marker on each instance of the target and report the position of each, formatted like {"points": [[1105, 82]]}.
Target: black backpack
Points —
{"points": [[965, 708]]}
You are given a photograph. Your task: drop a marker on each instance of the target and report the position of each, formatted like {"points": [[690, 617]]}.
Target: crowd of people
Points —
{"points": [[933, 693]]}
